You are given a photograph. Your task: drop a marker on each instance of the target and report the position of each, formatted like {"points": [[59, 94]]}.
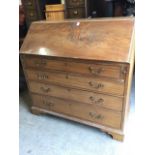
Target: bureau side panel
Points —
{"points": [[22, 57], [128, 84]]}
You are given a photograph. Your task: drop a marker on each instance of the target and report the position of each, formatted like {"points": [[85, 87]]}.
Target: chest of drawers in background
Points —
{"points": [[76, 8], [82, 74], [33, 10]]}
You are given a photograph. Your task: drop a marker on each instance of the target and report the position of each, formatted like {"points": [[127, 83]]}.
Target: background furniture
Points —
{"points": [[55, 12], [22, 34], [129, 8], [101, 8], [83, 72], [35, 9], [22, 25], [76, 8]]}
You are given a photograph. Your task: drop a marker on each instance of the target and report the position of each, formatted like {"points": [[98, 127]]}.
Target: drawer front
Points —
{"points": [[69, 80], [102, 70], [100, 100], [76, 12], [29, 4], [75, 3], [82, 111], [31, 15]]}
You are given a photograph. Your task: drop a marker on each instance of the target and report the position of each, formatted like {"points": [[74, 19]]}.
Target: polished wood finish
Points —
{"points": [[88, 83], [83, 72], [89, 68], [105, 40], [83, 111], [101, 100]]}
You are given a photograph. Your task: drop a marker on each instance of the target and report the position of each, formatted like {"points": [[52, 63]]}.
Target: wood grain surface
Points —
{"points": [[79, 110], [107, 40], [81, 70]]}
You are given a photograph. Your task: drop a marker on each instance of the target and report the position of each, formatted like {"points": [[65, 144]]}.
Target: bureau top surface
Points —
{"points": [[108, 39]]}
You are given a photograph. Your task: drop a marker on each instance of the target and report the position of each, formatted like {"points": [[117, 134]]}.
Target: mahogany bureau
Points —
{"points": [[81, 70]]}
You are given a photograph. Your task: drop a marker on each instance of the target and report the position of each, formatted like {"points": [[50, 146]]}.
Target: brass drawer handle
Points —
{"points": [[40, 63], [91, 114], [96, 85], [29, 3], [75, 12], [46, 90], [31, 14], [99, 116], [47, 103], [68, 89], [91, 98], [95, 71], [96, 116], [74, 1], [42, 76], [99, 101]]}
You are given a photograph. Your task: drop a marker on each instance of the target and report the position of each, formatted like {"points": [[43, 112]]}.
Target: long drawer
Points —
{"points": [[91, 69], [91, 113], [76, 12], [101, 100], [96, 84], [29, 4]]}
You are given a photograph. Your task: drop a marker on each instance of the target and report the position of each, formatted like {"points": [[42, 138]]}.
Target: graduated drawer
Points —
{"points": [[103, 70], [87, 112], [76, 12], [89, 83], [29, 4], [31, 14], [87, 97]]}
